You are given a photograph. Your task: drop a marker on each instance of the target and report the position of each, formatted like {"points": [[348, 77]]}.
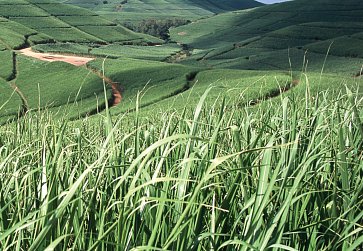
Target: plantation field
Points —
{"points": [[81, 21], [69, 35], [117, 34], [44, 86], [41, 22], [51, 21], [155, 53], [338, 47], [135, 11], [241, 35], [241, 130], [56, 9]]}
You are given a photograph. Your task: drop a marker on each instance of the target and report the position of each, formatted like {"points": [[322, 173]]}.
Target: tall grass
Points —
{"points": [[282, 176]]}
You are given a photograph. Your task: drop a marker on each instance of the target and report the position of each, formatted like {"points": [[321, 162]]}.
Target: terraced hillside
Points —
{"points": [[40, 85], [27, 22], [260, 38], [137, 10]]}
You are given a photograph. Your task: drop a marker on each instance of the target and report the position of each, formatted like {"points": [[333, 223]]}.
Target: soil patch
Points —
{"points": [[115, 86], [49, 57]]}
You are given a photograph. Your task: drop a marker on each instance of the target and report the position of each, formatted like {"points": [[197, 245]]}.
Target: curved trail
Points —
{"points": [[115, 86]]}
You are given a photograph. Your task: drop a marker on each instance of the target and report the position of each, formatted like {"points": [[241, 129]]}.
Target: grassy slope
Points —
{"points": [[155, 80], [240, 37], [154, 53], [43, 84], [136, 10]]}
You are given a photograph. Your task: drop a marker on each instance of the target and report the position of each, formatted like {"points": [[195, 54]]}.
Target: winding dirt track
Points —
{"points": [[76, 61], [116, 88]]}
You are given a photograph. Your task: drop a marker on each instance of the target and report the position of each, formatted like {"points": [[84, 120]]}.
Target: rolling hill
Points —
{"points": [[260, 38], [137, 10]]}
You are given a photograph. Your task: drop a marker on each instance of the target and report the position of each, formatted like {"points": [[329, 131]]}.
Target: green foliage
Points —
{"points": [[274, 177], [157, 28]]}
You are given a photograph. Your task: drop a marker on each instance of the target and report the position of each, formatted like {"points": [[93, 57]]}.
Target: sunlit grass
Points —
{"points": [[286, 176]]}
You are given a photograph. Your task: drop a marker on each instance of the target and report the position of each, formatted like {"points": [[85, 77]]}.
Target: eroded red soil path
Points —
{"points": [[116, 88]]}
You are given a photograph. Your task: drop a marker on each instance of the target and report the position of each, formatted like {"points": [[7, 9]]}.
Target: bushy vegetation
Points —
{"points": [[157, 28]]}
